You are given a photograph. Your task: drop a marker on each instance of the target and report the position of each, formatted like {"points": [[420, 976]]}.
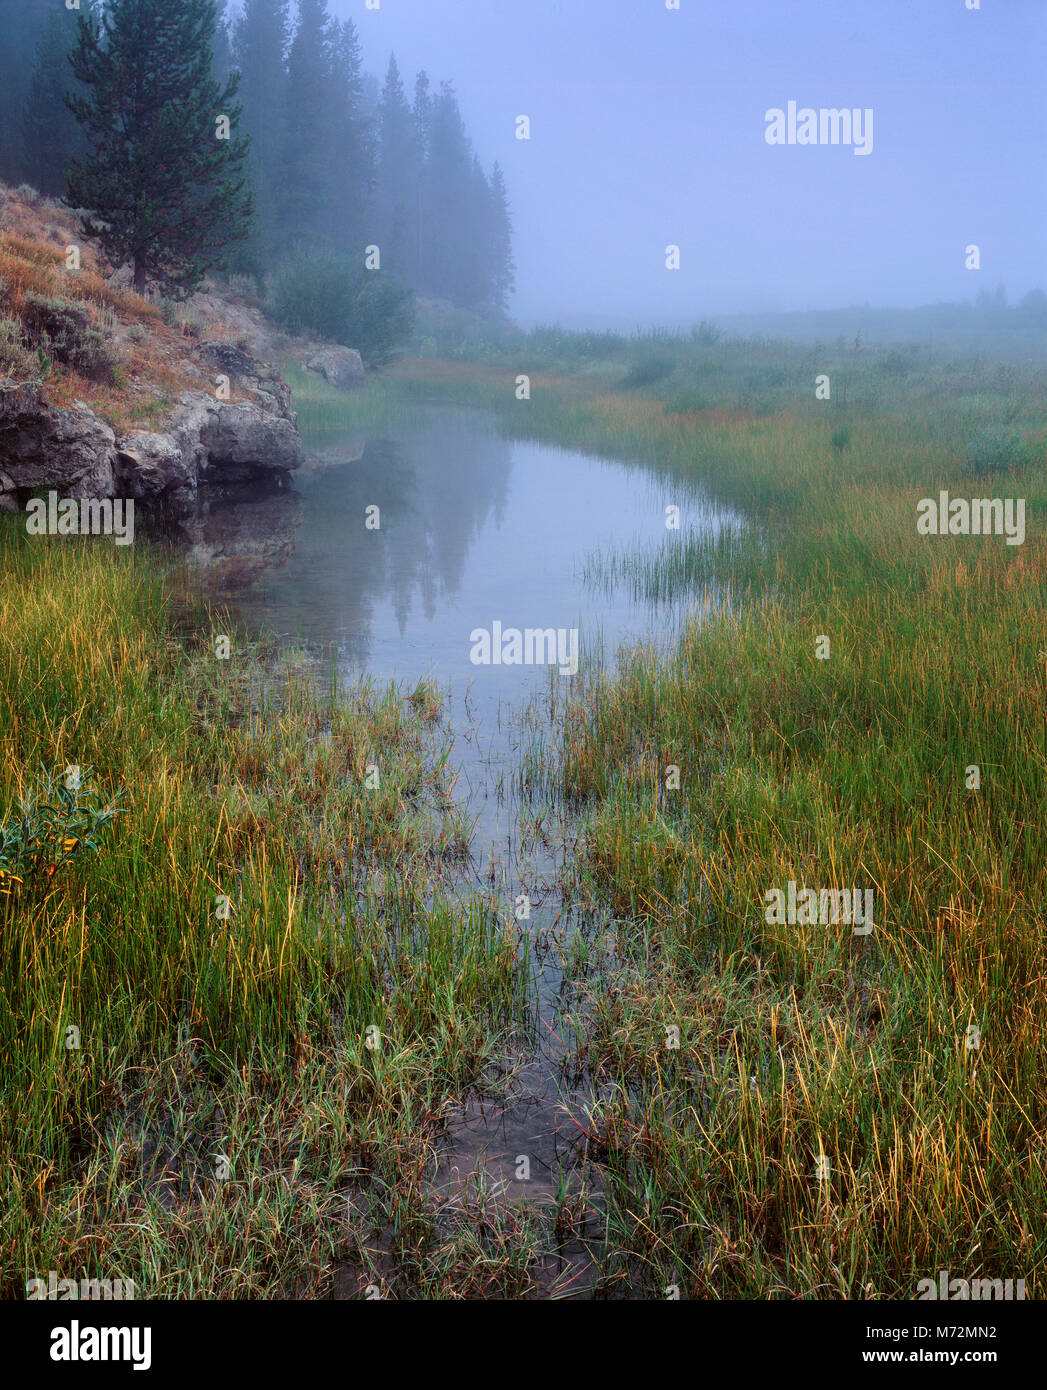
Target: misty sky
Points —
{"points": [[648, 129]]}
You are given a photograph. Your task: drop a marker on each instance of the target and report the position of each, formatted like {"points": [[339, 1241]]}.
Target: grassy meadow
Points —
{"points": [[844, 1115], [785, 1111], [271, 1002]]}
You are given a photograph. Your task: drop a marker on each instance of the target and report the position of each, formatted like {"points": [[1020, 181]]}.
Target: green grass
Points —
{"points": [[205, 1035], [323, 409], [799, 1040], [246, 1038]]}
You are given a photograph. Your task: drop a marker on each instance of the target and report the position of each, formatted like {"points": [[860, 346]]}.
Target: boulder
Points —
{"points": [[151, 466], [41, 446], [230, 357], [208, 442], [240, 438], [341, 366]]}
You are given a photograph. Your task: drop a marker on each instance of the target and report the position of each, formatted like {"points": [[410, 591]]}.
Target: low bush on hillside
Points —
{"points": [[335, 299]]}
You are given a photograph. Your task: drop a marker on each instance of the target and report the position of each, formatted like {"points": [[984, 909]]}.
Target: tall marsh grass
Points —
{"points": [[844, 1115], [249, 1008]]}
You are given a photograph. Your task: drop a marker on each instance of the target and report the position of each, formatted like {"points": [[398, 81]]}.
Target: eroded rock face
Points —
{"points": [[40, 446], [266, 385], [206, 441], [155, 466], [341, 366]]}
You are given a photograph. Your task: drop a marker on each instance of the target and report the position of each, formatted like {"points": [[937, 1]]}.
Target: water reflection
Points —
{"points": [[435, 490], [474, 530], [235, 535]]}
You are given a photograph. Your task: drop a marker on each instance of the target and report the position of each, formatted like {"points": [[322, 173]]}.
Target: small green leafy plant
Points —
{"points": [[61, 815]]}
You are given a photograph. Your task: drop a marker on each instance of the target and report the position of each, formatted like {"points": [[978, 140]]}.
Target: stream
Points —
{"points": [[474, 533]]}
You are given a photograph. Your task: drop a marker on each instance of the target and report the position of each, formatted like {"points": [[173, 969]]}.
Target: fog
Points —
{"points": [[648, 129]]}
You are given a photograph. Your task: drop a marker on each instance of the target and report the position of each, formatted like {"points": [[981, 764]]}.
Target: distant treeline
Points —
{"points": [[338, 162]]}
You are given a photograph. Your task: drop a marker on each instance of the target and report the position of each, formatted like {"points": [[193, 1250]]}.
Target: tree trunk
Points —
{"points": [[139, 281]]}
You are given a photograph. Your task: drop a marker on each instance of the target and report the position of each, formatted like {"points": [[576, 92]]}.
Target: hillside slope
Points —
{"points": [[105, 393]]}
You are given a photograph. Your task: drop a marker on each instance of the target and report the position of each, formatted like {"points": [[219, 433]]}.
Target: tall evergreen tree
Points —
{"points": [[372, 94], [500, 241], [259, 53], [421, 119], [351, 154], [50, 133], [399, 169], [162, 190], [308, 130], [422, 113], [474, 239], [448, 272]]}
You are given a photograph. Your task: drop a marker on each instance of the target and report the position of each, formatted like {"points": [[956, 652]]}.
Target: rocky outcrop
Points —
{"points": [[206, 443], [266, 385], [206, 440], [40, 446], [336, 456], [341, 366]]}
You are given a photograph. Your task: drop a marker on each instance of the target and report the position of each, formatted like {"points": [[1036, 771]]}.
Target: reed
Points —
{"points": [[252, 1004], [779, 1109], [844, 1114]]}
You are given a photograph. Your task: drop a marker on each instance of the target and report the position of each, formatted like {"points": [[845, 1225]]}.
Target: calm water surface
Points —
{"points": [[474, 528]]}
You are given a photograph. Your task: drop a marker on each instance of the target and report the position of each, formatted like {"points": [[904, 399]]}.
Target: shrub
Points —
{"points": [[993, 449], [336, 299], [689, 400], [64, 328], [16, 359], [707, 334], [648, 370], [57, 818], [766, 377], [899, 362]]}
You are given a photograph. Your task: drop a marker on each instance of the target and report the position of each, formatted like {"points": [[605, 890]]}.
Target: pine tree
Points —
{"points": [[502, 265], [398, 174], [422, 114], [162, 191], [259, 53], [421, 120], [308, 130], [475, 243], [50, 134], [372, 95], [449, 273], [351, 154]]}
